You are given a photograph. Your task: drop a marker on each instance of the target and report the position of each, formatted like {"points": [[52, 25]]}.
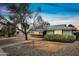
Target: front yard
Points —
{"points": [[42, 48], [38, 47]]}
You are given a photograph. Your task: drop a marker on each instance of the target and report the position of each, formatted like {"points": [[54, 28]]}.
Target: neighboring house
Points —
{"points": [[41, 30], [1, 26], [8, 29], [38, 32], [60, 29], [76, 26], [76, 33], [18, 32]]}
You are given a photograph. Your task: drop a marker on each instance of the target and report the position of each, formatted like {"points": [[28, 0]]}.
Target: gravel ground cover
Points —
{"points": [[10, 40], [41, 48], [71, 50]]}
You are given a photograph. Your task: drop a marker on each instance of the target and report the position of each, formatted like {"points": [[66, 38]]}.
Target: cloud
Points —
{"points": [[60, 19]]}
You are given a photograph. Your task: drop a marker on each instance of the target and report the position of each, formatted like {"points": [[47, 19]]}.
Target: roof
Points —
{"points": [[60, 28], [39, 30], [56, 27]]}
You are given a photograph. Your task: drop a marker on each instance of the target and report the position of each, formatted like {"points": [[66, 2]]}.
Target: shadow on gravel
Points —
{"points": [[25, 50], [9, 41]]}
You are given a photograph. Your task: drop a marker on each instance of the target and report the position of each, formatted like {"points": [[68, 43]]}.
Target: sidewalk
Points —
{"points": [[8, 38], [17, 43], [2, 53]]}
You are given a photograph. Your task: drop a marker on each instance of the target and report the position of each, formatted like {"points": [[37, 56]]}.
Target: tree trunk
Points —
{"points": [[8, 32], [26, 38]]}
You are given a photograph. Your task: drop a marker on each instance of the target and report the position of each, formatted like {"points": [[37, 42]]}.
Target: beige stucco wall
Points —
{"points": [[67, 33], [58, 32], [61, 32], [36, 33], [55, 32], [1, 26]]}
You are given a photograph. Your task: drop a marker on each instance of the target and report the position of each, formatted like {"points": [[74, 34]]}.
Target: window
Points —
{"points": [[57, 31]]}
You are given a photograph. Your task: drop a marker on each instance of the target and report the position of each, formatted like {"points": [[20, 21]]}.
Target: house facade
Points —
{"points": [[55, 29], [60, 29]]}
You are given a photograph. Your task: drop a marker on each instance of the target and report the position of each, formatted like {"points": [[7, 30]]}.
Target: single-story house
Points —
{"points": [[60, 29], [55, 29]]}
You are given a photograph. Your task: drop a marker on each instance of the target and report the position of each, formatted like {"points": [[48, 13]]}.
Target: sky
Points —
{"points": [[54, 13]]}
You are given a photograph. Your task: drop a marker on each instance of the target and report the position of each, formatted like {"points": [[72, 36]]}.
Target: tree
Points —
{"points": [[70, 25], [21, 14]]}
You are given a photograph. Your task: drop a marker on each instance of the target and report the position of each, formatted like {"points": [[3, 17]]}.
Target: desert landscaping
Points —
{"points": [[16, 47], [39, 29]]}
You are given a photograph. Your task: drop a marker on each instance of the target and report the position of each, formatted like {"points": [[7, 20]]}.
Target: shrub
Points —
{"points": [[2, 33], [60, 38]]}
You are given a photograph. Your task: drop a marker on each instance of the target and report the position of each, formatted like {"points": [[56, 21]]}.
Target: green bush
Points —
{"points": [[2, 33], [60, 38]]}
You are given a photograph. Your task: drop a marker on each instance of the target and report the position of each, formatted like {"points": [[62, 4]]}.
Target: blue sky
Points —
{"points": [[58, 13], [54, 13]]}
